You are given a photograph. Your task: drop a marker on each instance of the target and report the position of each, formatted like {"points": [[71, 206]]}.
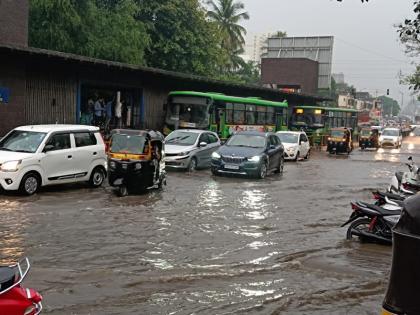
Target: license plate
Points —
{"points": [[231, 167]]}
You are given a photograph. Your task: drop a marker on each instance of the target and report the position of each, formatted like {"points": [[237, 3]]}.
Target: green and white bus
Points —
{"points": [[223, 114], [317, 120]]}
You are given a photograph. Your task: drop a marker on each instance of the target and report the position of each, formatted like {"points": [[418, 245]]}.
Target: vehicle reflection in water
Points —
{"points": [[391, 155], [12, 225], [255, 200]]}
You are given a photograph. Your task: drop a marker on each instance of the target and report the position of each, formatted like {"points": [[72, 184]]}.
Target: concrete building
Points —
{"points": [[346, 101], [40, 86]]}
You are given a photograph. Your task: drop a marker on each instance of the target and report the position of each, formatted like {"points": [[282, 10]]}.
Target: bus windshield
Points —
{"points": [[187, 113]]}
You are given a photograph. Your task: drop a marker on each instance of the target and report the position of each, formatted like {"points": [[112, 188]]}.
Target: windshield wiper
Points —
{"points": [[23, 151]]}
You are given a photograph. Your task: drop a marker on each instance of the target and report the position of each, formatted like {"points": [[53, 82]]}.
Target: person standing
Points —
{"points": [[108, 111], [99, 111], [118, 110]]}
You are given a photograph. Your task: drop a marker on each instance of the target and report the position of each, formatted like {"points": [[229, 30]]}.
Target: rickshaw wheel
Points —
{"points": [[122, 191]]}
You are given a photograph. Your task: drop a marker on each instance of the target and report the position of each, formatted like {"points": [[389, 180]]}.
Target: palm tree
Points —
{"points": [[227, 14]]}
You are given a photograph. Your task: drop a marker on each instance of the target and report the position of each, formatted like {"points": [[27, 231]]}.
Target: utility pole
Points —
{"points": [[402, 100]]}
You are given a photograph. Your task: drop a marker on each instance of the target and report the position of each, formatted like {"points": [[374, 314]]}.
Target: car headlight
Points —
{"points": [[184, 153], [216, 155], [256, 158], [10, 166]]}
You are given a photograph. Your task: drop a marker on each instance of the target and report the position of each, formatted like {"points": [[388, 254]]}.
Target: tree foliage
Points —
{"points": [[390, 106], [409, 32], [174, 35], [226, 15], [89, 29], [181, 37]]}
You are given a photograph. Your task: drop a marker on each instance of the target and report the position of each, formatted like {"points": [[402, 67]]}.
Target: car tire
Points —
{"points": [[297, 156], [97, 177], [308, 155], [280, 168], [30, 184], [262, 172], [193, 165]]}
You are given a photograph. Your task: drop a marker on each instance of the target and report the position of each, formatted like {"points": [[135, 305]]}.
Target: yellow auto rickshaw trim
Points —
{"points": [[385, 312], [125, 156]]}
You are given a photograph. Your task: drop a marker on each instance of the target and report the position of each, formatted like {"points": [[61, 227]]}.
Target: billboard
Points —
{"points": [[319, 48]]}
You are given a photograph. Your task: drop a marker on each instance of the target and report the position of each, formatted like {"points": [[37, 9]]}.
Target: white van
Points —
{"points": [[41, 155]]}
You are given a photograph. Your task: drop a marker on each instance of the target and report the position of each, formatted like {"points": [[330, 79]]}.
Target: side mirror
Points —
{"points": [[48, 147], [202, 144]]}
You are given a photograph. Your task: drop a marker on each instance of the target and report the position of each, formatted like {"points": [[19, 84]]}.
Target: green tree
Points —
{"points": [[88, 28], [227, 14], [390, 106], [409, 32], [181, 37]]}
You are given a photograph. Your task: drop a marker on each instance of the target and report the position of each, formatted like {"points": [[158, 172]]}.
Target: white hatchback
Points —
{"points": [[296, 144], [391, 137], [41, 155]]}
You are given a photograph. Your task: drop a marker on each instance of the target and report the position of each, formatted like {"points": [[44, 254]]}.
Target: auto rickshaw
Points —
{"points": [[136, 160], [402, 297], [369, 138], [340, 141]]}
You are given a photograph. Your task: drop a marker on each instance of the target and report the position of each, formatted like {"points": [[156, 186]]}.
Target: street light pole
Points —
{"points": [[402, 100]]}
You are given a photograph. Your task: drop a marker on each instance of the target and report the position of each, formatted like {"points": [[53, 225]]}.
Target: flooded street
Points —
{"points": [[208, 245]]}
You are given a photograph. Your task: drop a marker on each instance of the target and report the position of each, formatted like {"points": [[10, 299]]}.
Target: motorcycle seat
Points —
{"points": [[7, 277], [392, 196], [382, 211]]}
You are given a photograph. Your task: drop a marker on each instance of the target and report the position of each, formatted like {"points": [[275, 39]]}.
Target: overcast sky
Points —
{"points": [[366, 47]]}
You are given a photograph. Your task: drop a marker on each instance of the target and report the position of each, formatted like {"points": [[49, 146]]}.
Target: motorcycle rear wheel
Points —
{"points": [[361, 224]]}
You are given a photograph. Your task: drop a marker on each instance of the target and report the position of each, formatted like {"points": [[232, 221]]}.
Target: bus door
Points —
{"points": [[281, 120]]}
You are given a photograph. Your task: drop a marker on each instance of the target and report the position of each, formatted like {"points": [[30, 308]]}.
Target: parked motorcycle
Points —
{"points": [[372, 223], [15, 299]]}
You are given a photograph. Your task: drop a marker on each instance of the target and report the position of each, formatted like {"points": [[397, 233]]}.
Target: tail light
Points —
{"points": [[406, 186], [354, 206], [35, 296], [376, 196]]}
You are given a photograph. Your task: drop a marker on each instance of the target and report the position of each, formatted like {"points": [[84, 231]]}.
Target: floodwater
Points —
{"points": [[207, 245]]}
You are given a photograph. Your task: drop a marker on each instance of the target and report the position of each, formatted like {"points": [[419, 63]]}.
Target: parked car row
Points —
{"points": [[43, 155]]}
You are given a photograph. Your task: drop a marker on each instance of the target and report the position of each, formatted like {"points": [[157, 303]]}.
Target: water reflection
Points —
{"points": [[211, 195]]}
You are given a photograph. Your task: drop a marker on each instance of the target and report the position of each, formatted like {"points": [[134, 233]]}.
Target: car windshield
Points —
{"points": [[288, 137], [337, 133], [131, 144], [22, 141], [390, 132], [182, 138], [251, 141]]}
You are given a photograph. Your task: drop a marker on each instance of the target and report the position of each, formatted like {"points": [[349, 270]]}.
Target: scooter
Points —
{"points": [[406, 182], [384, 198], [372, 223], [15, 299]]}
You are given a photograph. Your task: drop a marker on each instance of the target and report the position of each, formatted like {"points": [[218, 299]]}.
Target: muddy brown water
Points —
{"points": [[207, 245]]}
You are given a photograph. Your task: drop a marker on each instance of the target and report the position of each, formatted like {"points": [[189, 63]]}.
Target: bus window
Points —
{"points": [[271, 116], [239, 114], [229, 113], [250, 114], [261, 115]]}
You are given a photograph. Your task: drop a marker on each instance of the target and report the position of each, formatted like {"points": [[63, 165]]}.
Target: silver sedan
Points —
{"points": [[190, 148]]}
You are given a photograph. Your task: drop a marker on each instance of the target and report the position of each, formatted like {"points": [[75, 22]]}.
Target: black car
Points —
{"points": [[249, 153]]}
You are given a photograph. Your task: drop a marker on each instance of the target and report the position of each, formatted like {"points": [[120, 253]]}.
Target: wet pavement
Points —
{"points": [[207, 245]]}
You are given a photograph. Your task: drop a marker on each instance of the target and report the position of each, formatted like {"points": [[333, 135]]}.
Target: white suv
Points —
{"points": [[41, 155]]}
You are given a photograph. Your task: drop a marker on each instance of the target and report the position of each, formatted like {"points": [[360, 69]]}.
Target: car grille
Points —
{"points": [[233, 159]]}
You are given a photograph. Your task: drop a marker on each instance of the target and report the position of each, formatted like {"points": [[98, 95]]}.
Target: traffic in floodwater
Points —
{"points": [[207, 244]]}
